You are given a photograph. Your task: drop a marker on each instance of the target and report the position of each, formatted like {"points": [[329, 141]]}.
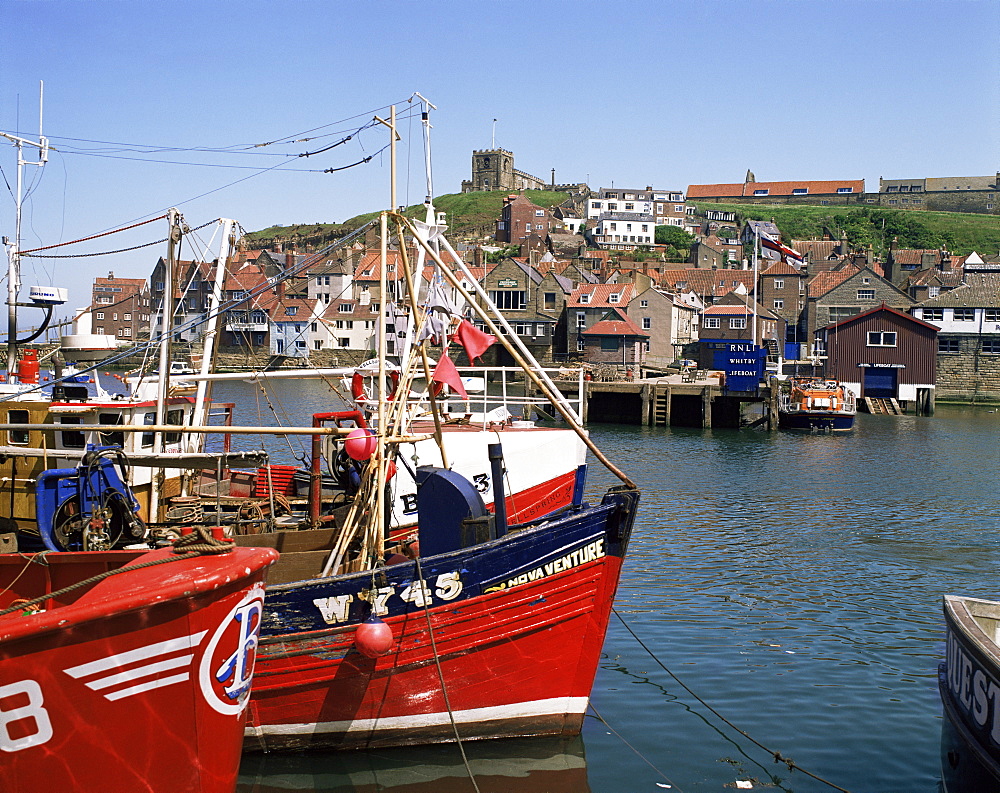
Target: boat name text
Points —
{"points": [[336, 609], [973, 689], [587, 553]]}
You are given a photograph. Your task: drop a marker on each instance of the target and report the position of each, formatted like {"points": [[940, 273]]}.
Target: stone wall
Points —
{"points": [[968, 375]]}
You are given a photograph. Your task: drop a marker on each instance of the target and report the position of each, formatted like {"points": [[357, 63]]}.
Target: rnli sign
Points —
{"points": [[744, 366]]}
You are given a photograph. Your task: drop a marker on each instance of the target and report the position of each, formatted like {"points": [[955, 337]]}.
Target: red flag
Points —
{"points": [[475, 341], [445, 372]]}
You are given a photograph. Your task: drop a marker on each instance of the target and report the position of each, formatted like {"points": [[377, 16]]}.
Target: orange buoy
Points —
{"points": [[373, 638]]}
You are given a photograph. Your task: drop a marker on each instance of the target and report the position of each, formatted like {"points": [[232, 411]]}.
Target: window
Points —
{"points": [[647, 323], [99, 330], [992, 315], [522, 328], [612, 207], [965, 314], [291, 311], [948, 346], [595, 204], [991, 346], [800, 190], [549, 300], [581, 344], [712, 322], [348, 308], [679, 208], [314, 326], [298, 327], [866, 280], [643, 303], [344, 342], [779, 303], [127, 317], [881, 338], [779, 283], [19, 437], [629, 207], [99, 315], [614, 297], [737, 323], [933, 314], [845, 189], [539, 213], [300, 344], [104, 300], [125, 331], [585, 297], [318, 344], [866, 294], [509, 299], [73, 439], [111, 438], [581, 319], [760, 192]]}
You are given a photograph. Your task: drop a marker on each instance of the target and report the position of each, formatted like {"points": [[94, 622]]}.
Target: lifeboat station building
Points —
{"points": [[883, 354]]}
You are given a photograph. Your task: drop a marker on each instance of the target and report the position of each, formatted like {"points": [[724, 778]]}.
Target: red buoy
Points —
{"points": [[360, 444], [373, 637]]}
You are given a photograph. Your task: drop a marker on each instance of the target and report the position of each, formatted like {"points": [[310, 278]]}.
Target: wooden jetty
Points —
{"points": [[677, 400]]}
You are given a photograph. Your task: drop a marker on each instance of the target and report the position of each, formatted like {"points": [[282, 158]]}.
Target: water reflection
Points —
{"points": [[526, 765]]}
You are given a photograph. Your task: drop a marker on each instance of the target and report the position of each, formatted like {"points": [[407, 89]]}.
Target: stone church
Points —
{"points": [[493, 169]]}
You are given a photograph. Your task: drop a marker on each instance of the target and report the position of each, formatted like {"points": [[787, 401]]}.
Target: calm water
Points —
{"points": [[792, 582]]}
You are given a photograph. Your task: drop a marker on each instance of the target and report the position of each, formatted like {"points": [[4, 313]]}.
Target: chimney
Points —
{"points": [[289, 259]]}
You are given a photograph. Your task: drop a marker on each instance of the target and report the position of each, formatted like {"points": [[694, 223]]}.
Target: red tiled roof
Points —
{"points": [[781, 268], [821, 283], [599, 294], [740, 190], [615, 327]]}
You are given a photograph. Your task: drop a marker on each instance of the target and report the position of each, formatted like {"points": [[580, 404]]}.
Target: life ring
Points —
{"points": [[360, 393]]}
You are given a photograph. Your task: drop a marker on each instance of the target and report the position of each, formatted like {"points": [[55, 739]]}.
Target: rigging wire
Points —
{"points": [[778, 757]]}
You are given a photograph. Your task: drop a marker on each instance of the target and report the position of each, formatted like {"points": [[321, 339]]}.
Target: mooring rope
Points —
{"points": [[196, 544], [778, 757], [444, 688], [639, 754]]}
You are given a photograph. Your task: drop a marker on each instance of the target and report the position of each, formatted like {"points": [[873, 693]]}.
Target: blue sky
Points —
{"points": [[659, 93]]}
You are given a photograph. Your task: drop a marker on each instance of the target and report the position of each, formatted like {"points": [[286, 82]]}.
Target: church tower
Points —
{"points": [[492, 169]]}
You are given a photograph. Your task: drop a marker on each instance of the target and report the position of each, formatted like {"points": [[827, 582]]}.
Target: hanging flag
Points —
{"points": [[437, 298], [445, 372], [475, 341], [435, 327]]}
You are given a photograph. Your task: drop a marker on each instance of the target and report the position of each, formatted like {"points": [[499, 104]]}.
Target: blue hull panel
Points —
{"points": [[816, 420]]}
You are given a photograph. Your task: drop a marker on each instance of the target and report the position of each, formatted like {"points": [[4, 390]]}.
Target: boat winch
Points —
{"points": [[89, 507]]}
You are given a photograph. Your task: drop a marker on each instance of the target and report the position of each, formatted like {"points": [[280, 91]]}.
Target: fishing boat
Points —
{"points": [[128, 670], [969, 684], [810, 403]]}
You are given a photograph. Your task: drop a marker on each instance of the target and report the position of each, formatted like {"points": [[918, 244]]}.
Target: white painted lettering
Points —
{"points": [[334, 609]]}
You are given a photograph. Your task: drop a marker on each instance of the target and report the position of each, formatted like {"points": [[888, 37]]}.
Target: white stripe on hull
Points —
{"points": [[556, 706]]}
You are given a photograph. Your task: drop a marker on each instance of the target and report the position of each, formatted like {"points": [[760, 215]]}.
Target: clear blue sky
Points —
{"points": [[635, 93]]}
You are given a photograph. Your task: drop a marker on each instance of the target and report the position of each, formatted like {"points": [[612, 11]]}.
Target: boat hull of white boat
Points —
{"points": [[969, 684]]}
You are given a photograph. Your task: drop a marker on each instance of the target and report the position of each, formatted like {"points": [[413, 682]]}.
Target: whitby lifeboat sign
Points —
{"points": [[744, 366]]}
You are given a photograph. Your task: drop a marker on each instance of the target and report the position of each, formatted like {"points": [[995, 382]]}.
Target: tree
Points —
{"points": [[674, 236]]}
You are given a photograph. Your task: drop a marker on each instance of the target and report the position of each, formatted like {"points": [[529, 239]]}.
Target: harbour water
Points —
{"points": [[790, 583]]}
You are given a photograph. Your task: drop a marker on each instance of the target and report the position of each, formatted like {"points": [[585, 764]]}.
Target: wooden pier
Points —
{"points": [[674, 401]]}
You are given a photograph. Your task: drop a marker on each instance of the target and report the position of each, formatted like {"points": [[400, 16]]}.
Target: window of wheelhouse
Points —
{"points": [[19, 437], [147, 437], [111, 438], [175, 417], [72, 439]]}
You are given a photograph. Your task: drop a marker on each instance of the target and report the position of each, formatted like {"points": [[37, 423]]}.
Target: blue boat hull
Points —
{"points": [[816, 420]]}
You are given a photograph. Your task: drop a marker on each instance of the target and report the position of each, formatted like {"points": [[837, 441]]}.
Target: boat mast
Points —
{"points": [[203, 394], [14, 248], [756, 247], [166, 331]]}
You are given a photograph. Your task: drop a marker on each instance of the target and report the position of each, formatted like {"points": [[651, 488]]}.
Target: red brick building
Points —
{"points": [[120, 307]]}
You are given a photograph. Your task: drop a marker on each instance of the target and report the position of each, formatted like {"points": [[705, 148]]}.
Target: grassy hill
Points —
{"points": [[467, 213], [959, 232]]}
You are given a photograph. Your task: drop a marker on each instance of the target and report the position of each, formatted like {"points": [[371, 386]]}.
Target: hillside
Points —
{"points": [[467, 214], [959, 232]]}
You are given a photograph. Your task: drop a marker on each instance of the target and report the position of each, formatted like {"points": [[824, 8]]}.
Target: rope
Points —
{"points": [[444, 689], [188, 547], [93, 236], [29, 255], [639, 754], [778, 757]]}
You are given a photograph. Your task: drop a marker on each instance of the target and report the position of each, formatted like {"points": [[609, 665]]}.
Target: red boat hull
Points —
{"points": [[516, 657], [123, 688]]}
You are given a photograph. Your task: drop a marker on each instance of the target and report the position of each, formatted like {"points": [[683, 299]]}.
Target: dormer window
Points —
{"points": [[614, 297], [291, 311], [845, 189], [800, 191], [761, 192], [585, 298]]}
